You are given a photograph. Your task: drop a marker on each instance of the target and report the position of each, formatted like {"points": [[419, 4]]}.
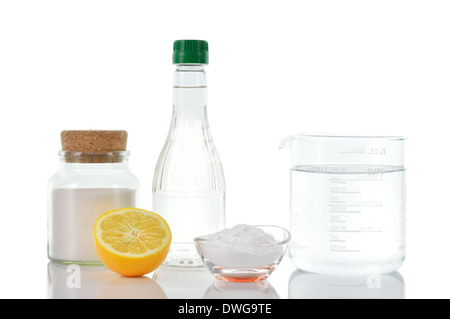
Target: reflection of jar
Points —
{"points": [[93, 178], [77, 281]]}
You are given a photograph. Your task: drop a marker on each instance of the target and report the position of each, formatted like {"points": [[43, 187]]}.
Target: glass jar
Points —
{"points": [[87, 185]]}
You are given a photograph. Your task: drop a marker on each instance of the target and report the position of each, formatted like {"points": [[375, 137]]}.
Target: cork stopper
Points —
{"points": [[93, 146]]}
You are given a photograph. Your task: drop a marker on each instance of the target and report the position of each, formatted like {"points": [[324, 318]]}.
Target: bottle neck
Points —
{"points": [[189, 86]]}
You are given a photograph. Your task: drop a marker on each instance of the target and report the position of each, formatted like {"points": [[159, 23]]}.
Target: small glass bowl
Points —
{"points": [[243, 262]]}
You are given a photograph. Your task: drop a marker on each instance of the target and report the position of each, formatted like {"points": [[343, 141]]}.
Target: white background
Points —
{"points": [[276, 68]]}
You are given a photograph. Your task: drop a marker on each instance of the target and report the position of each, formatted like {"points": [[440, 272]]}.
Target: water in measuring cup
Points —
{"points": [[347, 219]]}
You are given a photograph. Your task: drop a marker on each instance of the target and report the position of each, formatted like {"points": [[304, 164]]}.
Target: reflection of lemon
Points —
{"points": [[132, 241], [132, 288]]}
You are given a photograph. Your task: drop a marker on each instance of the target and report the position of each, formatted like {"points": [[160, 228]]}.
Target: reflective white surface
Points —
{"points": [[97, 282]]}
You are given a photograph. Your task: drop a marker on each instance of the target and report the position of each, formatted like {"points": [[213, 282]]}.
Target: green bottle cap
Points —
{"points": [[190, 51]]}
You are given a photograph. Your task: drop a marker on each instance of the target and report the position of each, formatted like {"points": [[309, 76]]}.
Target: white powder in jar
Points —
{"points": [[73, 213], [242, 246]]}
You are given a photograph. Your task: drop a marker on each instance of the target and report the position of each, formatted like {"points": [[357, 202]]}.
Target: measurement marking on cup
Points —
{"points": [[346, 211], [355, 180], [353, 152], [354, 231], [345, 251], [379, 205], [334, 204], [345, 192]]}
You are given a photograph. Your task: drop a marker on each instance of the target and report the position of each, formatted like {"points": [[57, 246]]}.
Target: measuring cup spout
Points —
{"points": [[286, 143], [293, 144]]}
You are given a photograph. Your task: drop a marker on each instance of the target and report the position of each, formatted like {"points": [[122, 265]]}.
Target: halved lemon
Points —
{"points": [[132, 241]]}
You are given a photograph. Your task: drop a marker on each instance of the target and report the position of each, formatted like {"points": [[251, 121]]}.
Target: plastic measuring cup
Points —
{"points": [[347, 203]]}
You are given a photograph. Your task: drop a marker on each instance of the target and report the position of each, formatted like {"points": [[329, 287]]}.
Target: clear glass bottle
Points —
{"points": [[189, 183], [91, 181]]}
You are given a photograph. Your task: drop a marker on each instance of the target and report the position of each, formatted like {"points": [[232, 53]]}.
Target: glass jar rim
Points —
{"points": [[93, 157]]}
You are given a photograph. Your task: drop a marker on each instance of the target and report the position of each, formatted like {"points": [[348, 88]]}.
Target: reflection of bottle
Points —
{"points": [[305, 285], [183, 283], [189, 185], [132, 288]]}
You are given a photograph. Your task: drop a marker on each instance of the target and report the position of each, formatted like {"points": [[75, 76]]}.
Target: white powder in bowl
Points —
{"points": [[242, 246]]}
